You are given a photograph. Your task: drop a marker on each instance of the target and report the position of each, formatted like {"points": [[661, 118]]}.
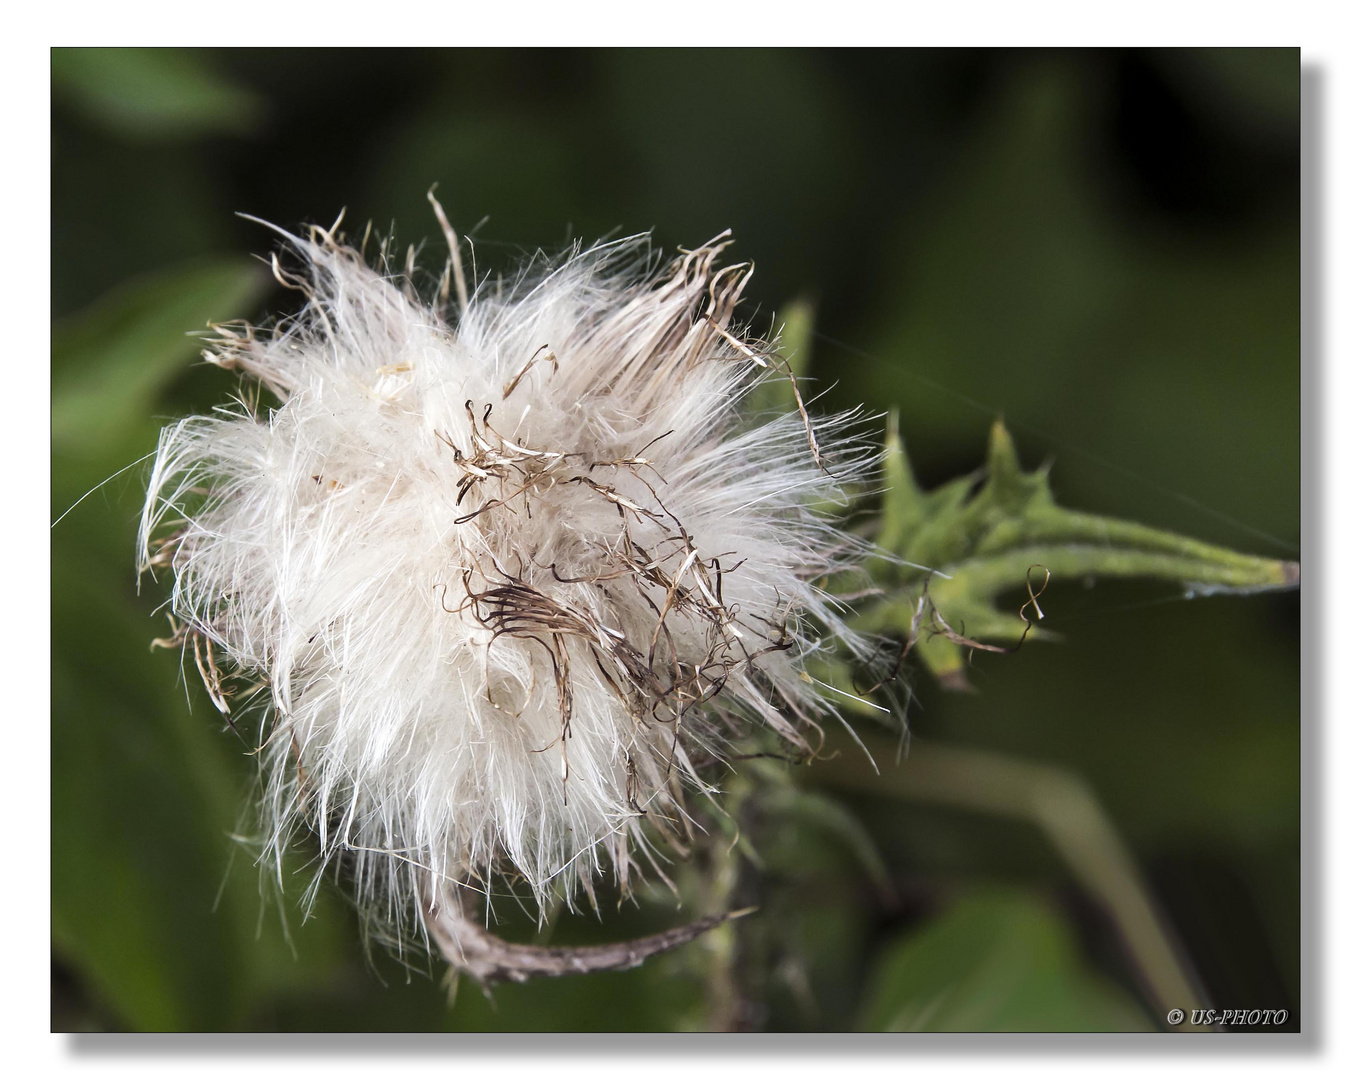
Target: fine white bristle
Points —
{"points": [[506, 579]]}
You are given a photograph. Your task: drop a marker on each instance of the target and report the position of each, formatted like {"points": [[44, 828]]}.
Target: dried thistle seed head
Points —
{"points": [[499, 582]]}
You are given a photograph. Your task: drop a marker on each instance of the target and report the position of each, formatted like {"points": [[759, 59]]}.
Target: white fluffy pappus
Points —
{"points": [[500, 583]]}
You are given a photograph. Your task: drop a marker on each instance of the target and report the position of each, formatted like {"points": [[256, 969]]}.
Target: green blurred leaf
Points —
{"points": [[152, 93], [154, 907], [995, 961], [960, 551], [153, 904], [110, 362], [140, 802]]}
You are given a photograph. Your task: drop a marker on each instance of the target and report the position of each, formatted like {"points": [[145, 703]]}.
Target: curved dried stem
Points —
{"points": [[472, 949]]}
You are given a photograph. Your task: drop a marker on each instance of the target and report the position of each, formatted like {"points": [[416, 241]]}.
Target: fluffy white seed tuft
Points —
{"points": [[500, 583]]}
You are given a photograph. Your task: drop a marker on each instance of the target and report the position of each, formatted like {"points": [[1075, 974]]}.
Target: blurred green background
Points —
{"points": [[1102, 247]]}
